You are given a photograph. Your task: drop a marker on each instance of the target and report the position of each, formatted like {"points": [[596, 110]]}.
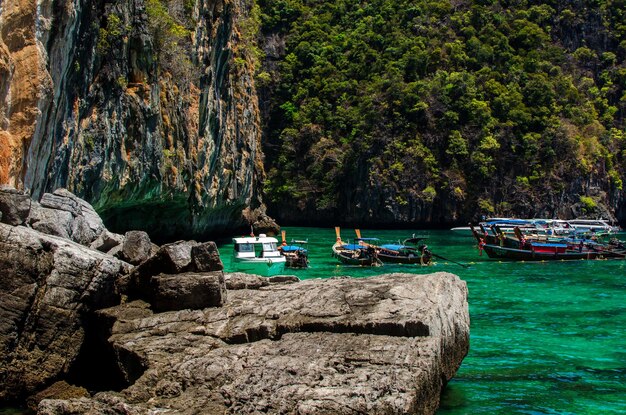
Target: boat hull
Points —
{"points": [[403, 259], [499, 252], [296, 261], [265, 268], [348, 257]]}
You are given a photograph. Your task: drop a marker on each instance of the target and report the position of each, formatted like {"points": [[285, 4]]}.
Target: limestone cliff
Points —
{"points": [[144, 108]]}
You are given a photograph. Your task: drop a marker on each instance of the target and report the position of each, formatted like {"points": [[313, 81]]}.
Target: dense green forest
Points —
{"points": [[432, 112]]}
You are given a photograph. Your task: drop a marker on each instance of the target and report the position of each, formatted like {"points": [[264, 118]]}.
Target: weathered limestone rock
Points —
{"points": [[14, 205], [107, 241], [170, 151], [60, 202], [58, 390], [241, 281], [51, 221], [265, 225], [63, 214], [188, 290], [206, 257], [283, 279], [136, 247], [384, 344], [47, 286], [174, 258]]}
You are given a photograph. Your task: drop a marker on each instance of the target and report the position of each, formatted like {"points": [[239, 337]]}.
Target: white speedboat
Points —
{"points": [[257, 255], [593, 225], [504, 224]]}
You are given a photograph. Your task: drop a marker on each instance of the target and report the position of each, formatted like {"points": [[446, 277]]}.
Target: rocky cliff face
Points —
{"points": [[145, 110]]}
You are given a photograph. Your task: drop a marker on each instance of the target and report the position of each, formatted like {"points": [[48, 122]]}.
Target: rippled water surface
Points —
{"points": [[546, 338]]}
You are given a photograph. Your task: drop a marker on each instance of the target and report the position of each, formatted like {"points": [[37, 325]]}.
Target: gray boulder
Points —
{"points": [[174, 258], [377, 345], [206, 257], [106, 241], [51, 221], [84, 224], [58, 390], [14, 205], [64, 201], [187, 291], [47, 287], [136, 247], [242, 281]]}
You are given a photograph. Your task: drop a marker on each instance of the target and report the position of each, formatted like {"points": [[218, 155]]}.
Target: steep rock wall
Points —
{"points": [[158, 129]]}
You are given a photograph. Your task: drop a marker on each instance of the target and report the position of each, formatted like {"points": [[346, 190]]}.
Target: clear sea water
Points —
{"points": [[546, 338]]}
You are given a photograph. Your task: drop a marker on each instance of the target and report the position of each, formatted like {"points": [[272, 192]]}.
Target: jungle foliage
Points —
{"points": [[494, 106]]}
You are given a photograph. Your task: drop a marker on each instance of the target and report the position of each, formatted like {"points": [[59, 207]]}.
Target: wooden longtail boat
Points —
{"points": [[527, 248], [545, 252], [355, 254], [296, 254], [409, 252]]}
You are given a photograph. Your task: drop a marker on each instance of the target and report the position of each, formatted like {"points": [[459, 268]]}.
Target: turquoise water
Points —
{"points": [[546, 338]]}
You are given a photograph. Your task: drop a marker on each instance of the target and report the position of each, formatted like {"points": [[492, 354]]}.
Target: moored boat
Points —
{"points": [[549, 227], [296, 254], [355, 254], [525, 247], [258, 255], [411, 251], [550, 252], [593, 225]]}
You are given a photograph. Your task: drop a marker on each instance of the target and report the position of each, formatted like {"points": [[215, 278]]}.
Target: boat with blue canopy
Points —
{"points": [[410, 251], [355, 254], [296, 254], [526, 247]]}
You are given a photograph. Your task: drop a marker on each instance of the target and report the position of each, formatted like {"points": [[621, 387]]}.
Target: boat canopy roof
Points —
{"points": [[393, 247], [589, 221], [353, 247], [549, 245], [501, 221], [292, 248], [254, 239]]}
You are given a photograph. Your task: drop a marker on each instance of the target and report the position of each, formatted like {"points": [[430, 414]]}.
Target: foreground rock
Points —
{"points": [[385, 344], [184, 274], [58, 267], [47, 287]]}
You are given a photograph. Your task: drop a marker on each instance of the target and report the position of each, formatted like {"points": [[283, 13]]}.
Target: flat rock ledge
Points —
{"points": [[380, 345]]}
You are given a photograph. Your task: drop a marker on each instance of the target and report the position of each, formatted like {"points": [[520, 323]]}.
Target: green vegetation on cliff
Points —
{"points": [[432, 111]]}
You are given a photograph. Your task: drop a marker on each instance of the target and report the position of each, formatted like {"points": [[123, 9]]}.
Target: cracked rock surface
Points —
{"points": [[47, 285], [385, 344]]}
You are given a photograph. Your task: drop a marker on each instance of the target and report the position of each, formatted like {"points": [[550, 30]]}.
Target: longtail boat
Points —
{"points": [[355, 254], [498, 245], [408, 252], [296, 254]]}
